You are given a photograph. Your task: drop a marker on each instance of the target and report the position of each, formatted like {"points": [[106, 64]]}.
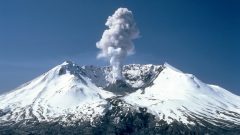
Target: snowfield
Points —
{"points": [[69, 92]]}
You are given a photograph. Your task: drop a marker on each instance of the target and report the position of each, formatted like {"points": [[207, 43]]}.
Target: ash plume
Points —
{"points": [[116, 42]]}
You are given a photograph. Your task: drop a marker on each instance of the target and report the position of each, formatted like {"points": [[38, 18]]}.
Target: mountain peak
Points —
{"points": [[67, 62], [166, 65], [69, 67]]}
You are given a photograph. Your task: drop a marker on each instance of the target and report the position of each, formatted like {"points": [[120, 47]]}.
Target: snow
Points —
{"points": [[173, 91], [164, 90], [53, 95], [171, 67], [134, 74]]}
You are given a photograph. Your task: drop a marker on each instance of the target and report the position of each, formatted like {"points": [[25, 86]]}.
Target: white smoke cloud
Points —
{"points": [[116, 42]]}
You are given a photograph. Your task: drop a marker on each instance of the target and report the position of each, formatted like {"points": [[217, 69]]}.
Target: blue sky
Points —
{"points": [[199, 37]]}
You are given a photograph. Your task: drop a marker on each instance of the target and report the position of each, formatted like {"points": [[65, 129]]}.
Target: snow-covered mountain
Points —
{"points": [[72, 95]]}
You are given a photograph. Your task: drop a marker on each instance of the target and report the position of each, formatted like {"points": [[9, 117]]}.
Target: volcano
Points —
{"points": [[151, 99]]}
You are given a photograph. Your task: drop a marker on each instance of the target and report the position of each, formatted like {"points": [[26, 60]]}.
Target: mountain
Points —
{"points": [[152, 99]]}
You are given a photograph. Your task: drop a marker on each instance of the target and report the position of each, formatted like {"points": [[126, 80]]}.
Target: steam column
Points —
{"points": [[116, 42]]}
